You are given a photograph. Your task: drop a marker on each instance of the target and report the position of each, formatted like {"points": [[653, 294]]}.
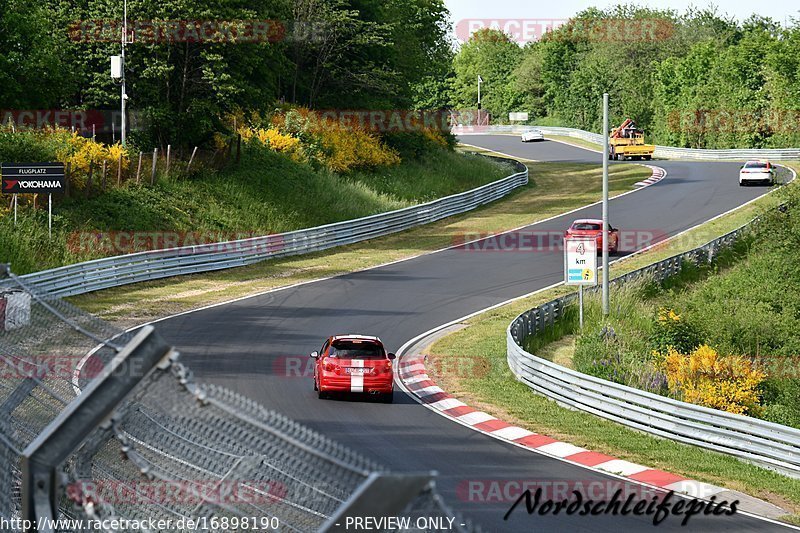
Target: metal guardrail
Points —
{"points": [[143, 266], [663, 152], [770, 445]]}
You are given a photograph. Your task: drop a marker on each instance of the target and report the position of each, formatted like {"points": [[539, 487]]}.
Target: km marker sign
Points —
{"points": [[33, 178], [580, 266]]}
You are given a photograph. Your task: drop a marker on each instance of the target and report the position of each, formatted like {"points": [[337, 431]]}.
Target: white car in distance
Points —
{"points": [[757, 172], [532, 135]]}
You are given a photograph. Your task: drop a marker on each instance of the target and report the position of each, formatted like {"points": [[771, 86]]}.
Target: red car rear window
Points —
{"points": [[585, 226], [356, 350]]}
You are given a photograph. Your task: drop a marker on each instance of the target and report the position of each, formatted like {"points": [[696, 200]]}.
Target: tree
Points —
{"points": [[492, 55], [31, 46]]}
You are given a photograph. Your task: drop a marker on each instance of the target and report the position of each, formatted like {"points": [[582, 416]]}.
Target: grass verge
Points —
{"points": [[497, 392], [547, 194]]}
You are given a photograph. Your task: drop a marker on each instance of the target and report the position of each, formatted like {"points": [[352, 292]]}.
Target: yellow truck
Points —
{"points": [[627, 142]]}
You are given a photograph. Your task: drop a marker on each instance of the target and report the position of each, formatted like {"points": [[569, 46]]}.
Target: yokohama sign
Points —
{"points": [[31, 178]]}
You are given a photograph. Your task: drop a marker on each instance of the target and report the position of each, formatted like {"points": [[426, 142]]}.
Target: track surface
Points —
{"points": [[243, 345]]}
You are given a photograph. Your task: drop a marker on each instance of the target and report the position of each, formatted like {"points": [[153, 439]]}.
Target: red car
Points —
{"points": [[354, 363], [591, 227]]}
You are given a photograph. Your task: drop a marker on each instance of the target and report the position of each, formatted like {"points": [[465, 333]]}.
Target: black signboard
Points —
{"points": [[30, 178]]}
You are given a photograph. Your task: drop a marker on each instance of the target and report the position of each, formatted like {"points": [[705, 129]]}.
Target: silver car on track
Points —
{"points": [[757, 172], [532, 135]]}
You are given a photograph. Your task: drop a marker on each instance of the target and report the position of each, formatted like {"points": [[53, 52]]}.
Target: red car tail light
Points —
{"points": [[331, 367]]}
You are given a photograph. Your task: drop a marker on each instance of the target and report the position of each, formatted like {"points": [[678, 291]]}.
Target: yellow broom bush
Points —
{"points": [[728, 383], [274, 140], [82, 153], [346, 150], [339, 146]]}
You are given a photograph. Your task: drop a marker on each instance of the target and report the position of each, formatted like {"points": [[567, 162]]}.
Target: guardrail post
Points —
{"points": [[42, 459]]}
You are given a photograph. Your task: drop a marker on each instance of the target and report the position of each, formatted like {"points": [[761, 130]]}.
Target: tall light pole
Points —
{"points": [[606, 233], [480, 81], [123, 95]]}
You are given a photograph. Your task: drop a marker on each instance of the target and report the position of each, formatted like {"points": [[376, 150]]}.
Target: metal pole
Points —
{"points": [[124, 96], [606, 233], [479, 100], [50, 215], [15, 209], [580, 302]]}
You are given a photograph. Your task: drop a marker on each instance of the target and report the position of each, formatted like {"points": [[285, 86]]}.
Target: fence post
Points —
{"points": [[119, 169], [139, 168], [103, 182], [43, 457], [67, 175], [88, 188], [188, 166], [166, 172], [155, 160]]}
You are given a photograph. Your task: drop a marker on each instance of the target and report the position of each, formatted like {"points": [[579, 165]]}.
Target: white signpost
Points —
{"points": [[580, 265]]}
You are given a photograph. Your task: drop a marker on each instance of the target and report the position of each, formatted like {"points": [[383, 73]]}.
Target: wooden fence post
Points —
{"points": [[119, 170], [155, 160], [88, 189], [166, 172], [191, 159], [103, 183], [139, 168]]}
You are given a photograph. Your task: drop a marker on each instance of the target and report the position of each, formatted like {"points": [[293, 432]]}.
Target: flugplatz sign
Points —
{"points": [[33, 178]]}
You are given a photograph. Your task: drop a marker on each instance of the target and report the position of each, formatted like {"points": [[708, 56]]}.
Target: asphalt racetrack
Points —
{"points": [[250, 345]]}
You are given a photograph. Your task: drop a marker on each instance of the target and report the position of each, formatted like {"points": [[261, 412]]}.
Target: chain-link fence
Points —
{"points": [[173, 454]]}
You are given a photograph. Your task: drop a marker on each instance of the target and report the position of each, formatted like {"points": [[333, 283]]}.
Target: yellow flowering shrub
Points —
{"points": [[340, 146], [274, 140], [671, 331], [278, 141], [346, 150], [728, 383], [436, 136], [220, 141], [81, 153]]}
